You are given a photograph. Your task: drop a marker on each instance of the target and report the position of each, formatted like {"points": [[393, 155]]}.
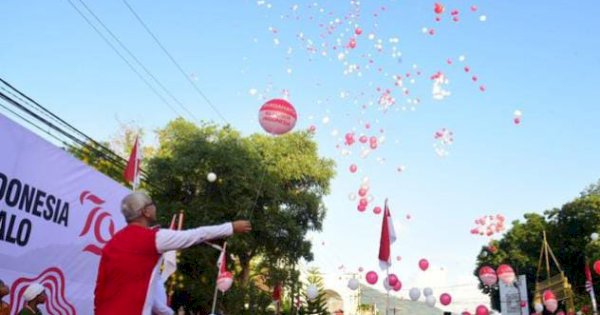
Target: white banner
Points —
{"points": [[56, 213], [513, 299]]}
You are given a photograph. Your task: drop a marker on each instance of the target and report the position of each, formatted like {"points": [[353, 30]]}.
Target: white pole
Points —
{"points": [[594, 305], [214, 304], [387, 300]]}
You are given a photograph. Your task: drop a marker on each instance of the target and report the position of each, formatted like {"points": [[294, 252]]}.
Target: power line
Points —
{"points": [[131, 67], [177, 65], [116, 38], [87, 142]]}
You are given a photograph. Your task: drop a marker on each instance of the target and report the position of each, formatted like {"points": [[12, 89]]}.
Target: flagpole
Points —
{"points": [[387, 300], [214, 304], [135, 163]]}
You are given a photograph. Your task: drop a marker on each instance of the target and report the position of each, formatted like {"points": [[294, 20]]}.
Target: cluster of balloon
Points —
{"points": [[414, 294], [489, 225], [443, 140], [445, 299], [224, 281], [365, 197], [438, 91], [423, 264], [371, 277], [277, 116], [517, 117], [353, 284], [487, 275], [312, 292], [392, 282], [550, 301], [506, 274]]}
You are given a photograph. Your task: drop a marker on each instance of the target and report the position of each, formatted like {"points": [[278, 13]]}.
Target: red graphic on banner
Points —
{"points": [[95, 219], [53, 280]]}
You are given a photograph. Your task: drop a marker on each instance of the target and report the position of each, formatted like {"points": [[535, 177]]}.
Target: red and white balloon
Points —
{"points": [[277, 116], [506, 274], [550, 301], [487, 275], [224, 281]]}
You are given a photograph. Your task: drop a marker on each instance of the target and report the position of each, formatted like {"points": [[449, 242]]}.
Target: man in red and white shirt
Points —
{"points": [[128, 280]]}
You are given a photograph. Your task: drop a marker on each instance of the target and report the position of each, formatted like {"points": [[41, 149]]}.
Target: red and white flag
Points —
{"points": [[388, 237], [170, 257], [132, 171], [222, 262]]}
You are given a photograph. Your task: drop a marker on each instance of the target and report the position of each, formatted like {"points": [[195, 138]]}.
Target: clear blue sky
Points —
{"points": [[540, 57]]}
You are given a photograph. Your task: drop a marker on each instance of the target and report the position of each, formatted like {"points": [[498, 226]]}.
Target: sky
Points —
{"points": [[539, 58]]}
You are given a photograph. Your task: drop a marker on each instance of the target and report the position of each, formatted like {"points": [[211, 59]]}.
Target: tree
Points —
{"points": [[568, 231], [276, 182], [519, 248], [318, 305]]}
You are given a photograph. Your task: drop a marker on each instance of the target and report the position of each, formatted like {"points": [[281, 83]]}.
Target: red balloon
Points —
{"points": [[371, 277], [377, 210], [361, 208], [392, 279], [517, 120], [352, 43], [353, 168], [482, 310], [362, 192], [363, 139], [398, 286], [363, 202], [438, 8], [277, 116], [445, 299], [358, 31], [597, 267], [423, 264]]}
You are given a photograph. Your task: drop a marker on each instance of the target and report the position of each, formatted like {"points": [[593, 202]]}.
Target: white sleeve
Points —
{"points": [[167, 240], [159, 305]]}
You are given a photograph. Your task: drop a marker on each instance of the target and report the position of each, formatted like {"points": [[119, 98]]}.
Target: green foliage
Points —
{"points": [[317, 306], [592, 190], [276, 182], [568, 232]]}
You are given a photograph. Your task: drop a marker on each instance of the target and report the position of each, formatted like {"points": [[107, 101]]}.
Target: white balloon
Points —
{"points": [[594, 236], [430, 301], [352, 196], [386, 285], [224, 283], [427, 292], [353, 284], [414, 294], [538, 307], [312, 292], [211, 177]]}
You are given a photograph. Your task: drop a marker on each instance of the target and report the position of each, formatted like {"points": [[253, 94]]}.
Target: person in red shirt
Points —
{"points": [[128, 281]]}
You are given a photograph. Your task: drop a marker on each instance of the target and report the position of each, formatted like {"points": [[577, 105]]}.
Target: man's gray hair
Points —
{"points": [[132, 205]]}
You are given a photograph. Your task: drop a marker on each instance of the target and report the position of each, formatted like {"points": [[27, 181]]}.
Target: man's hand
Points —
{"points": [[241, 226]]}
